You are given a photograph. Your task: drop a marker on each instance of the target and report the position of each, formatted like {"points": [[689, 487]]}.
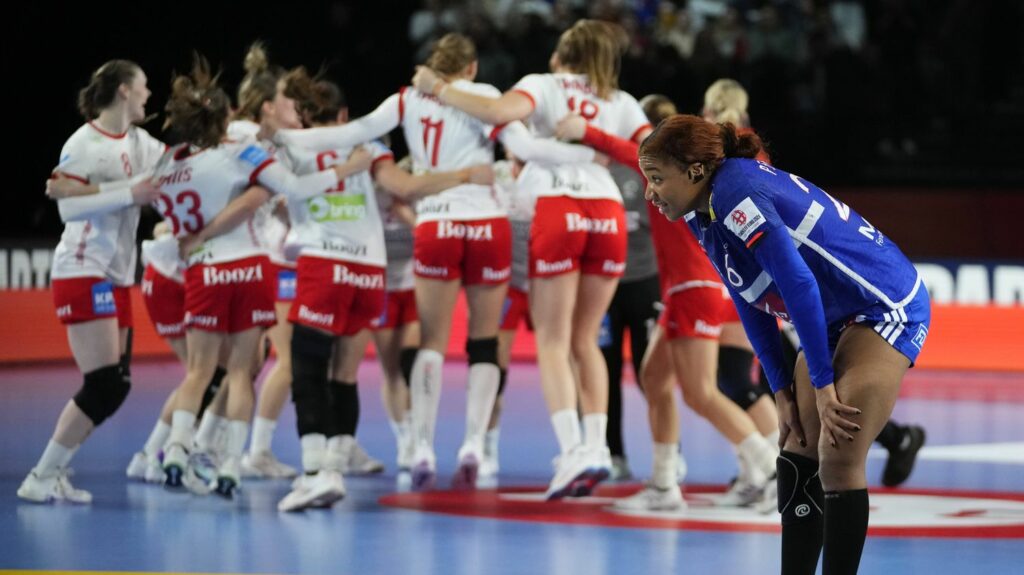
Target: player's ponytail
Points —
{"points": [[734, 145], [685, 140], [197, 110], [259, 84], [103, 84]]}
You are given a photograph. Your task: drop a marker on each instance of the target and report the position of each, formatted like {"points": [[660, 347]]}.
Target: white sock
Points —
{"points": [[157, 438], [314, 448], [238, 432], [491, 441], [595, 428], [425, 389], [567, 429], [206, 436], [482, 389], [54, 457], [666, 465], [262, 435], [773, 438], [758, 452], [182, 423]]}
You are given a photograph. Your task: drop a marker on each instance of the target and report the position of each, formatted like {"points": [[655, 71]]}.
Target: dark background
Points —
{"points": [[925, 111]]}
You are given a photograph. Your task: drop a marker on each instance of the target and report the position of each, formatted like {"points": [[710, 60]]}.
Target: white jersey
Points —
{"points": [[441, 139], [198, 184], [343, 223], [556, 95], [398, 242], [162, 254], [243, 130], [519, 200], [103, 245]]}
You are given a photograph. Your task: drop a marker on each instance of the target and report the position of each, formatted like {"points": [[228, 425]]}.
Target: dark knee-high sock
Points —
{"points": [[846, 526]]}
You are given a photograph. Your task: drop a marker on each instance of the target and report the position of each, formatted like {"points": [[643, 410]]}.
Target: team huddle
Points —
{"points": [[283, 222]]}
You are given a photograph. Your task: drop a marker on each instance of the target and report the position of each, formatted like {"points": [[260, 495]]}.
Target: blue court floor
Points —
{"points": [[962, 511]]}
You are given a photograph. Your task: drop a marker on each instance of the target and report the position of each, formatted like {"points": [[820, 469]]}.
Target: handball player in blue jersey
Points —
{"points": [[787, 250]]}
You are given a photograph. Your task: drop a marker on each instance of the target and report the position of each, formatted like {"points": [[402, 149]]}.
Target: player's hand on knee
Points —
{"points": [[789, 418], [835, 416]]}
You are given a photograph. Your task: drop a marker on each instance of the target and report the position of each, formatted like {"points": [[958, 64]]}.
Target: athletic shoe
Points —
{"points": [[406, 451], [424, 469], [360, 463], [137, 466], [51, 488], [653, 498], [264, 465], [468, 469], [620, 469], [572, 468], [901, 460], [599, 469], [229, 478], [321, 489], [741, 493], [175, 464], [769, 501], [489, 465]]}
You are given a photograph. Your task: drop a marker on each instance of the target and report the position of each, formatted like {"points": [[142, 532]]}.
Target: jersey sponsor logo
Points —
{"points": [[200, 320], [286, 284], [213, 276], [337, 208], [469, 232], [613, 267], [262, 315], [577, 223], [559, 183], [177, 177], [493, 275], [920, 336], [430, 271], [165, 329], [325, 319], [701, 326], [345, 276], [345, 248], [744, 219], [103, 299], [253, 155], [544, 267], [575, 84], [427, 207]]}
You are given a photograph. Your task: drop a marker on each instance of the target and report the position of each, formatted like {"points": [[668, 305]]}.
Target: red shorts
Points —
{"points": [[695, 312], [284, 283], [230, 297], [165, 302], [477, 251], [570, 234], [399, 310], [337, 296], [729, 313], [79, 300], [515, 310]]}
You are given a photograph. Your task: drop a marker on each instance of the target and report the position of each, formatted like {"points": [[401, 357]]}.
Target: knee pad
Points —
{"points": [[103, 391], [406, 359], [502, 380], [801, 498], [734, 376], [482, 350]]}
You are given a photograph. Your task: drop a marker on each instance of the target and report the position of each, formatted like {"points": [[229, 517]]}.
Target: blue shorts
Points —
{"points": [[905, 328]]}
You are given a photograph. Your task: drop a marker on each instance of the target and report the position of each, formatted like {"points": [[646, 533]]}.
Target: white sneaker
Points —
{"points": [[489, 465], [573, 468], [600, 468], [229, 477], [50, 488], [681, 469], [320, 490], [175, 464], [769, 501], [424, 469], [620, 469], [469, 467], [406, 451], [360, 462], [154, 471], [742, 493], [137, 466], [264, 465], [653, 498]]}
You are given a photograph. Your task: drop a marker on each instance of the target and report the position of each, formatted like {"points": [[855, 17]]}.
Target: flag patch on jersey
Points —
{"points": [[103, 299], [744, 219], [254, 155]]}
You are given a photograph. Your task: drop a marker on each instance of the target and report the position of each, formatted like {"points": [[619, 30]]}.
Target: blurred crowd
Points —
{"points": [[898, 86]]}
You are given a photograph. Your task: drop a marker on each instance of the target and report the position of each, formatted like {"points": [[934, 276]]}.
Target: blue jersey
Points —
{"points": [[786, 248]]}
